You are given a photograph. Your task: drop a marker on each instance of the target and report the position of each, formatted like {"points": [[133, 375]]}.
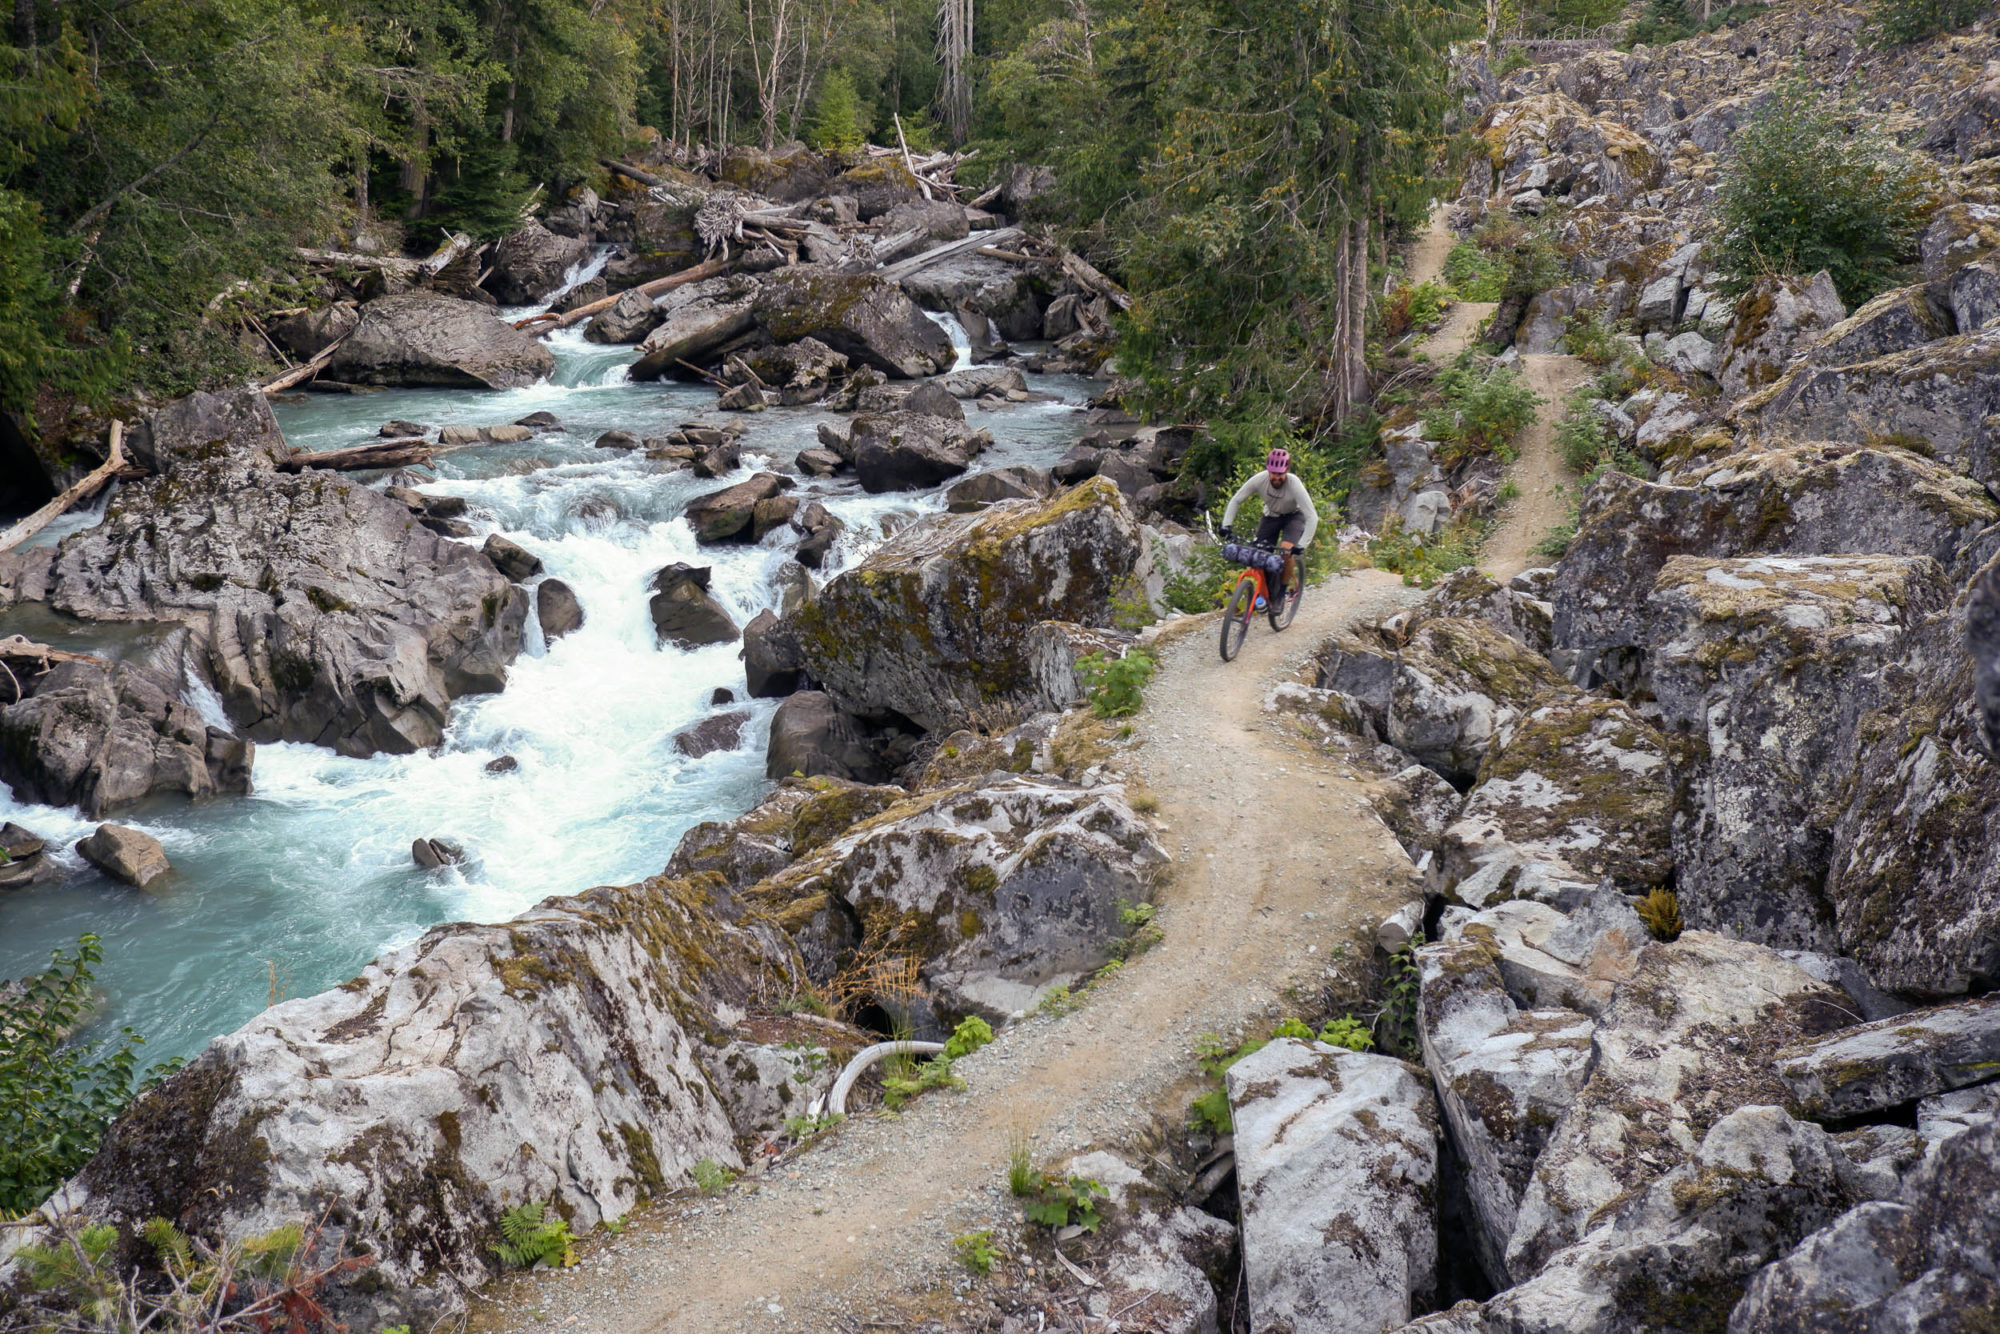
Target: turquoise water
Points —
{"points": [[293, 888]]}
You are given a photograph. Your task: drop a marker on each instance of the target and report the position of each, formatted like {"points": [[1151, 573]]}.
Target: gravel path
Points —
{"points": [[1281, 872]]}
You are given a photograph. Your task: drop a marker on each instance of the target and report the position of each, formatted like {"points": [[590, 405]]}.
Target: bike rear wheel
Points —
{"points": [[1236, 617], [1283, 608]]}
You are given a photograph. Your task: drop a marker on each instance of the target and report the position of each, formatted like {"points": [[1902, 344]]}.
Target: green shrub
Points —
{"points": [[57, 1098], [976, 1251], [1348, 1032], [1058, 1204], [1534, 265], [1804, 191], [1116, 685], [1424, 561], [1583, 438], [1396, 1027], [531, 1235], [1899, 22], [711, 1177], [971, 1034], [839, 123], [1473, 274], [1511, 59], [1590, 337], [1480, 410], [1202, 583]]}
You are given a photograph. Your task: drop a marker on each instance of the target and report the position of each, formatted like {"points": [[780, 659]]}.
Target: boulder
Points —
{"points": [[503, 764], [239, 422], [1923, 1260], [630, 319], [801, 372], [542, 423], [1943, 1115], [1866, 1070], [100, 737], [131, 855], [818, 462], [982, 489], [812, 735], [937, 219], [821, 531], [998, 890], [726, 515], [483, 435], [1895, 321], [617, 440], [1442, 694], [530, 263], [511, 558], [771, 658], [876, 186], [557, 608], [310, 332], [982, 381], [683, 611], [696, 322], [1982, 640], [1415, 802], [1801, 500], [774, 512], [907, 451], [1079, 464], [432, 853], [1504, 1075], [1773, 322], [381, 1093], [724, 731], [26, 859], [1941, 394], [721, 457], [864, 317], [933, 399], [321, 610], [1517, 611], [1336, 1177], [1678, 1254], [400, 429], [934, 623], [422, 339], [1008, 296], [1688, 1038], [764, 1084], [1159, 1255], [1774, 661], [1973, 297], [787, 174], [1958, 234], [1577, 790]]}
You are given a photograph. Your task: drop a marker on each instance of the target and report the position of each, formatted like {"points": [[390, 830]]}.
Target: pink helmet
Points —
{"points": [[1278, 461]]}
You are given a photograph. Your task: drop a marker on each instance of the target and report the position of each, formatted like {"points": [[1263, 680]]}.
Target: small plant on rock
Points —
{"points": [[1396, 1026], [1060, 1203], [1900, 22], [1142, 932], [1348, 1032], [971, 1034], [711, 1177], [530, 1235], [1116, 685], [976, 1251], [1660, 910], [1059, 1001]]}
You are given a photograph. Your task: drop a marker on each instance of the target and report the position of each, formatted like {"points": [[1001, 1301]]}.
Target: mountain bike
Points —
{"points": [[1261, 562]]}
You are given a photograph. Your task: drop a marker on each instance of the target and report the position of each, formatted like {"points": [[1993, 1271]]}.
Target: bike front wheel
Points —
{"points": [[1284, 607], [1236, 617]]}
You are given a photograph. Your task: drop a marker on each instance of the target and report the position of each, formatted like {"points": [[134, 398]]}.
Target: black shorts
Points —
{"points": [[1273, 526]]}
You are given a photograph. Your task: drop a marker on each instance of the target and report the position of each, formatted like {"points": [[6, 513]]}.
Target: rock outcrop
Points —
{"points": [[865, 318], [531, 262], [935, 623], [907, 451], [422, 339]]}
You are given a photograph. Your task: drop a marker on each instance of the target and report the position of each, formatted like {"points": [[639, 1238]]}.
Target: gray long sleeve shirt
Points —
{"points": [[1290, 498]]}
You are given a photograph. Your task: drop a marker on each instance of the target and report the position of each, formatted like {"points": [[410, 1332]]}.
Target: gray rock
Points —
{"points": [[511, 558], [630, 319], [811, 735], [422, 339], [484, 435], [1660, 302], [617, 440], [1009, 296], [982, 489], [933, 399], [801, 372], [189, 428], [724, 731], [697, 321], [729, 514], [1943, 1115], [503, 764], [865, 318], [311, 332], [321, 610], [400, 429], [100, 737], [683, 611], [934, 623], [1418, 805], [1958, 234], [1079, 464], [381, 1093], [1775, 660], [1522, 615], [1158, 1255], [558, 609], [530, 263], [1776, 320], [1974, 295], [542, 423], [1688, 1039], [431, 853], [982, 381], [998, 889], [1689, 354], [20, 844], [787, 174], [762, 1084], [904, 451], [131, 855], [1892, 322], [1873, 1067], [821, 531], [1982, 640], [1336, 1170], [771, 658], [719, 458], [1926, 1260], [818, 462]]}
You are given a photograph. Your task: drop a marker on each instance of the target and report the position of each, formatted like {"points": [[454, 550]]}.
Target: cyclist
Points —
{"points": [[1289, 517]]}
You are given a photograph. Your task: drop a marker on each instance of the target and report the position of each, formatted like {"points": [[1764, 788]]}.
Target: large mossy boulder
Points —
{"points": [[1801, 500], [531, 262], [935, 625], [1773, 322], [865, 318], [404, 1100], [787, 174], [994, 890], [423, 340], [877, 186], [1768, 666], [696, 322]]}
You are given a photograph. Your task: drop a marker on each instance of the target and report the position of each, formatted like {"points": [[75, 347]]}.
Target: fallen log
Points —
{"points": [[997, 253], [113, 463], [553, 321], [1090, 279], [297, 374], [894, 247], [917, 263], [396, 264], [408, 453], [630, 172], [20, 654]]}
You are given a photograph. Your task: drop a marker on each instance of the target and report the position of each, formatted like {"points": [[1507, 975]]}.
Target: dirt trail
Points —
{"points": [[1538, 473], [1279, 867]]}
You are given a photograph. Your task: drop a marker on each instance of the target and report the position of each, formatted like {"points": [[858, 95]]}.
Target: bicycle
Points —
{"points": [[1258, 560]]}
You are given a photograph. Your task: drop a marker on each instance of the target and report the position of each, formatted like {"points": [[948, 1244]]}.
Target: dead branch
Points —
{"points": [[305, 372], [402, 453], [89, 486], [554, 321]]}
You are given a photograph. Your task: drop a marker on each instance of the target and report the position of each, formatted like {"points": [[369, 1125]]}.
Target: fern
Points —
{"points": [[528, 1237]]}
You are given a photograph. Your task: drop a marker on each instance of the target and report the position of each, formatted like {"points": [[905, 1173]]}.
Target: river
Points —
{"points": [[295, 887]]}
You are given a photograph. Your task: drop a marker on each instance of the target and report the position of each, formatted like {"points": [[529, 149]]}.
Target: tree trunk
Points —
{"points": [[24, 24], [1357, 314]]}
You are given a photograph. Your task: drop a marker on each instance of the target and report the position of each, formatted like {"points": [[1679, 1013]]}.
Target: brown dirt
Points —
{"points": [[1281, 872]]}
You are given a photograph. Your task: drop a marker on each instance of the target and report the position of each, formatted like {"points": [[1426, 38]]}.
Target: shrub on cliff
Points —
{"points": [[1806, 191], [1899, 22]]}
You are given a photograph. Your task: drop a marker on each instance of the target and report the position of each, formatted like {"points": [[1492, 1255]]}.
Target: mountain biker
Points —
{"points": [[1289, 516]]}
